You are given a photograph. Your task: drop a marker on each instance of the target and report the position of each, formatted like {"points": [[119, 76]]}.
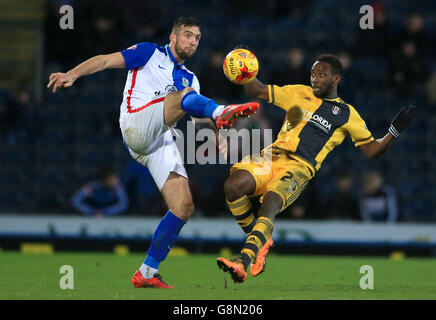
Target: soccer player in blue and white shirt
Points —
{"points": [[159, 91]]}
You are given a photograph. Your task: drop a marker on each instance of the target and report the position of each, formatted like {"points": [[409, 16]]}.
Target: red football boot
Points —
{"points": [[233, 111], [234, 266], [259, 266], [156, 282]]}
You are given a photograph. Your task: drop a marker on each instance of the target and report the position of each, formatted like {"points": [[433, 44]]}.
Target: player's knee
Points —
{"points": [[233, 189], [239, 183], [174, 98], [186, 90], [184, 209]]}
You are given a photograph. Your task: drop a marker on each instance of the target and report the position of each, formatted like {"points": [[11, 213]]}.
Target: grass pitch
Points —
{"points": [[195, 276]]}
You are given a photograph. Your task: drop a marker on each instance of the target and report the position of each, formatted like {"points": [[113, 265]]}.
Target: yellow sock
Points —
{"points": [[241, 210], [261, 233]]}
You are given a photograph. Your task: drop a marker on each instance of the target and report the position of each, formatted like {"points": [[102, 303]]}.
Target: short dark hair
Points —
{"points": [[333, 61], [187, 22]]}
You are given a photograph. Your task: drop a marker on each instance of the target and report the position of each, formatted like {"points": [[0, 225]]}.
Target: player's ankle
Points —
{"points": [[217, 112], [147, 272]]}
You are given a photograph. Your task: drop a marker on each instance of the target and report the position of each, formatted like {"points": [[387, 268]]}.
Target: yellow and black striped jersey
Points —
{"points": [[313, 127]]}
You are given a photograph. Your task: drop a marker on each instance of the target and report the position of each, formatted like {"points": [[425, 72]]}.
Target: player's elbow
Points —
{"points": [[371, 150], [103, 61], [373, 156]]}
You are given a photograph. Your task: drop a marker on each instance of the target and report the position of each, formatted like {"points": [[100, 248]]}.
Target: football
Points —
{"points": [[240, 66]]}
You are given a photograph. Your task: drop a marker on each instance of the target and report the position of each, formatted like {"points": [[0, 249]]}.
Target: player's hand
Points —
{"points": [[61, 80], [402, 120]]}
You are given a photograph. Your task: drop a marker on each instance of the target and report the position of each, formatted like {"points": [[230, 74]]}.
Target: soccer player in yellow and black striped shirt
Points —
{"points": [[317, 121]]}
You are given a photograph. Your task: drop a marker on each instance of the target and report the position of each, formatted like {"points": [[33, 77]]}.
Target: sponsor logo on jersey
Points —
{"points": [[170, 88], [315, 119]]}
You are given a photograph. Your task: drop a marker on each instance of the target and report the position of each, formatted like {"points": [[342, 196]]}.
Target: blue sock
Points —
{"points": [[197, 105], [163, 239]]}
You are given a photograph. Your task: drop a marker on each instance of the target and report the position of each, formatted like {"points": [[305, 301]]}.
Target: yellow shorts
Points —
{"points": [[280, 173]]}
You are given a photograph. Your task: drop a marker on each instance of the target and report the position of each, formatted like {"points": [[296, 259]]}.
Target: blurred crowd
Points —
{"points": [[385, 68]]}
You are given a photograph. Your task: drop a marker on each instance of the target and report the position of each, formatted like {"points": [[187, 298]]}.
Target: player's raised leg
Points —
{"points": [[179, 200], [261, 234], [237, 187], [188, 101], [272, 205]]}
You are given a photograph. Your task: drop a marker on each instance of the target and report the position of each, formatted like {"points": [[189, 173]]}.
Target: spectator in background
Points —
{"points": [[408, 71], [145, 197], [431, 89], [414, 33], [342, 203], [349, 82], [374, 42], [307, 205], [293, 72], [101, 27], [137, 12], [102, 197], [12, 115], [378, 201], [213, 81]]}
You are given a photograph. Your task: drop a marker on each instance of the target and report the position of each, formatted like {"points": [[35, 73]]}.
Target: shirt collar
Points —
{"points": [[167, 48], [337, 99]]}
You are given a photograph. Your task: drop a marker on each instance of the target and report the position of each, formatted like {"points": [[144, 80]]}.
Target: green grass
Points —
{"points": [[107, 276]]}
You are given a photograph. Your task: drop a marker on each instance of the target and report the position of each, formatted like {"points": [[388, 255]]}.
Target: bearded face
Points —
{"points": [[183, 52], [186, 41]]}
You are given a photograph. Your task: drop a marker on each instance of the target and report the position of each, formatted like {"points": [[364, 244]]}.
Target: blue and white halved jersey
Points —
{"points": [[153, 73]]}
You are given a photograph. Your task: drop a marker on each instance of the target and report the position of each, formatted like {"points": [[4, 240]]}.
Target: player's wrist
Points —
{"points": [[72, 74], [393, 131]]}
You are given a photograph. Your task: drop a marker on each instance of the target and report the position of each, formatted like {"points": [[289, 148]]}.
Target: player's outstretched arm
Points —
{"points": [[376, 148], [257, 89], [90, 66]]}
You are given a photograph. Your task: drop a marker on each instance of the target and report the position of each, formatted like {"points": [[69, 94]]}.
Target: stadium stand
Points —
{"points": [[64, 138]]}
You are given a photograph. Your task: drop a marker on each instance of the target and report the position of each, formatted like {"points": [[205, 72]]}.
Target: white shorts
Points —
{"points": [[141, 129], [151, 143]]}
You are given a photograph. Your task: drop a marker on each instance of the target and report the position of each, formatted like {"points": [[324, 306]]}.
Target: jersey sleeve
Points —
{"points": [[283, 97], [357, 129], [196, 84], [138, 55]]}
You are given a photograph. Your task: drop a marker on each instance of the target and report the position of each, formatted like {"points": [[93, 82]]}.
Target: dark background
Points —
{"points": [[51, 144]]}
